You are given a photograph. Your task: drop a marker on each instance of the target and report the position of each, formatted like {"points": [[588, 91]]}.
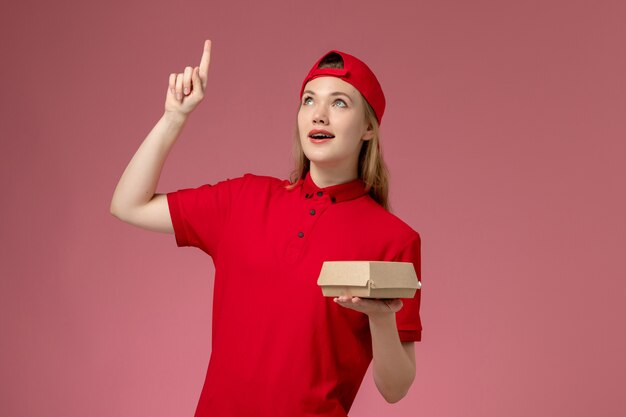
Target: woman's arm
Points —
{"points": [[134, 200], [394, 361]]}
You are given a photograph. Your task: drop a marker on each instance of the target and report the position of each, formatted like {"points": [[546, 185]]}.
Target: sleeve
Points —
{"points": [[200, 215], [408, 318]]}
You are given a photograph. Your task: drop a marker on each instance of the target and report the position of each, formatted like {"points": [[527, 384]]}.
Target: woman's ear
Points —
{"points": [[369, 133]]}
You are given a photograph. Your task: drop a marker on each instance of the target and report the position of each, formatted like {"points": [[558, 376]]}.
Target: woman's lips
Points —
{"points": [[317, 136]]}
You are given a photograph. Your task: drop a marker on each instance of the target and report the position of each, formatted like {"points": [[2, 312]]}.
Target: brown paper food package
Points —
{"points": [[368, 279]]}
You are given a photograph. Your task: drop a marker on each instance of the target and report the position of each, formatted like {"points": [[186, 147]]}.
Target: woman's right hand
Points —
{"points": [[186, 89]]}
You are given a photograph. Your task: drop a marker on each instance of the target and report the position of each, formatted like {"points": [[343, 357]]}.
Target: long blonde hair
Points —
{"points": [[371, 166]]}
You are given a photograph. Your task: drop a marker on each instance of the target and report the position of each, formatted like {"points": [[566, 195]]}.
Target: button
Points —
{"points": [[300, 234], [320, 193], [333, 199], [312, 212]]}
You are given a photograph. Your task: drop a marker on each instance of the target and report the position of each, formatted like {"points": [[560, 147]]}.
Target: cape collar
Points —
{"points": [[338, 192]]}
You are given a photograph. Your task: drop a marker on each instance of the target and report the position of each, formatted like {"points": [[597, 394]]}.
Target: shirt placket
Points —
{"points": [[314, 204]]}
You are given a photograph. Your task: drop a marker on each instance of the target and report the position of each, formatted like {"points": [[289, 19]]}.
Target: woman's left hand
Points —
{"points": [[370, 306]]}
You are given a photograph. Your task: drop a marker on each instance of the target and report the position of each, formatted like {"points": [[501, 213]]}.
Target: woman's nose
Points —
{"points": [[320, 116]]}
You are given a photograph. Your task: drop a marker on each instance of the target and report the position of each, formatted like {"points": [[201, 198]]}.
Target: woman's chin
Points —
{"points": [[318, 156]]}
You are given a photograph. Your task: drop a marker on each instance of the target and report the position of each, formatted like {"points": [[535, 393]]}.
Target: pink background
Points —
{"points": [[504, 132]]}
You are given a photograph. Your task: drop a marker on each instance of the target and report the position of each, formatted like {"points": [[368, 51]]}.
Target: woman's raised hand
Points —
{"points": [[186, 89]]}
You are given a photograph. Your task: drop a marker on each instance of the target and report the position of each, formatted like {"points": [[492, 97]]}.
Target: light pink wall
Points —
{"points": [[505, 134]]}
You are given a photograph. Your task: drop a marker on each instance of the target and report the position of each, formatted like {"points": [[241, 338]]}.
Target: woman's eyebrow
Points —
{"points": [[335, 93]]}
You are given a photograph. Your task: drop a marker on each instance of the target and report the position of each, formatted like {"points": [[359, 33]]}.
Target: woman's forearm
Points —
{"points": [[393, 370], [138, 183]]}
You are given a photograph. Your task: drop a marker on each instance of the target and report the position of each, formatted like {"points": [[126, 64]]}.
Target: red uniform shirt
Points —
{"points": [[279, 347]]}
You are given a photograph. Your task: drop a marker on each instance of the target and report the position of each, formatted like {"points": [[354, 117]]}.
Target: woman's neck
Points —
{"points": [[326, 176]]}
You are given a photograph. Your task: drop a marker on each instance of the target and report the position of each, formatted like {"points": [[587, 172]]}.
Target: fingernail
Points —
{"points": [[186, 91]]}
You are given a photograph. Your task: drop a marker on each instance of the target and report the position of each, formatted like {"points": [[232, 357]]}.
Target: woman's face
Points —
{"points": [[331, 104]]}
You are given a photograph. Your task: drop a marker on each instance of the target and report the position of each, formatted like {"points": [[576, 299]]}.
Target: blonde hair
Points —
{"points": [[371, 165]]}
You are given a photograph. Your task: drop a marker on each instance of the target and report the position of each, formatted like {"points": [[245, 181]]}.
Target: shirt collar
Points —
{"points": [[338, 192]]}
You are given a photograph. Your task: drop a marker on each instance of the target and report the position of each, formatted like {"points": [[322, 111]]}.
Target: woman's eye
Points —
{"points": [[307, 98]]}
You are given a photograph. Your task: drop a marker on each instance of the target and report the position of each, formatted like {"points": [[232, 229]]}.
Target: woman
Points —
{"points": [[279, 347]]}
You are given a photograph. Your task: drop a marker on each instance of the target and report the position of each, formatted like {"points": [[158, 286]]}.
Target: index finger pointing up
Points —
{"points": [[206, 58]]}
